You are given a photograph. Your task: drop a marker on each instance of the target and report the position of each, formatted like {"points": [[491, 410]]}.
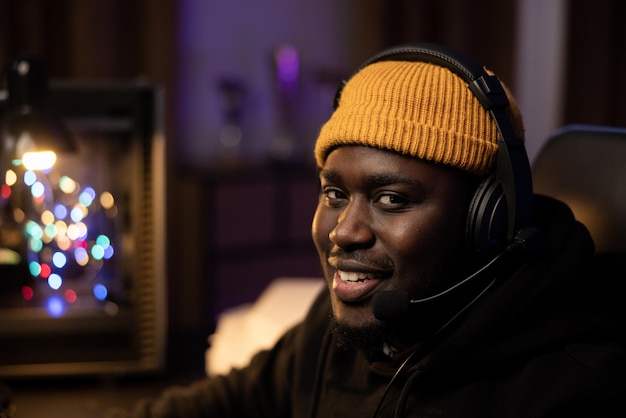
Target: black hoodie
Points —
{"points": [[545, 342]]}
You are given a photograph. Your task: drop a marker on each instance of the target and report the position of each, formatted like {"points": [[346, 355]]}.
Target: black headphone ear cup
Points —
{"points": [[487, 221]]}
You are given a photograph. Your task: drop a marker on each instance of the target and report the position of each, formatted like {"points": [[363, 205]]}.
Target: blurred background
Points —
{"points": [[246, 85]]}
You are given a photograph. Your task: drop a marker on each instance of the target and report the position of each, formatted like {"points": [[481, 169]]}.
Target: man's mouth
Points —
{"points": [[351, 286], [353, 277]]}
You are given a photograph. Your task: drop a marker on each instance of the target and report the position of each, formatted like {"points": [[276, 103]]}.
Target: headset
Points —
{"points": [[502, 204]]}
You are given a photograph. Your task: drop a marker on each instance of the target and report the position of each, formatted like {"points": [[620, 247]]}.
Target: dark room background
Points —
{"points": [[253, 219]]}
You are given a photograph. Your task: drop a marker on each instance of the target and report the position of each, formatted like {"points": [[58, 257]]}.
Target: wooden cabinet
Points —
{"points": [[232, 232]]}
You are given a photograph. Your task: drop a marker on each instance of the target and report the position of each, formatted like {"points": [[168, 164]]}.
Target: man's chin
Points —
{"points": [[369, 337]]}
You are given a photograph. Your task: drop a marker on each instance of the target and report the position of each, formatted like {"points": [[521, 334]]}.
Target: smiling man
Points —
{"points": [[401, 163], [452, 291]]}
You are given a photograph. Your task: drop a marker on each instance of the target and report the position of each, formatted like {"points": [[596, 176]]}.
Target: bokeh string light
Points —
{"points": [[67, 243]]}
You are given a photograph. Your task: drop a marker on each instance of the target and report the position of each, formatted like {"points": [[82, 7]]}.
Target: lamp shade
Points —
{"points": [[27, 125]]}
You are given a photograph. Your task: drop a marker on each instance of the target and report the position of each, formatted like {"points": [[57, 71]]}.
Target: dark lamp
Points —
{"points": [[27, 127]]}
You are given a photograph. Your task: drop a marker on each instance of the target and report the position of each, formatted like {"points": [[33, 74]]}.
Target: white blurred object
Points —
{"points": [[248, 328]]}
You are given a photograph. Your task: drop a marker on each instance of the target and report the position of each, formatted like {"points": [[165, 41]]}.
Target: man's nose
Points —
{"points": [[354, 226]]}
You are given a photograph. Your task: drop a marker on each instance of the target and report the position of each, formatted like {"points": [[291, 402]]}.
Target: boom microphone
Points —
{"points": [[391, 305]]}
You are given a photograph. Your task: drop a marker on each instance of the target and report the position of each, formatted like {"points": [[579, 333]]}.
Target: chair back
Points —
{"points": [[585, 167]]}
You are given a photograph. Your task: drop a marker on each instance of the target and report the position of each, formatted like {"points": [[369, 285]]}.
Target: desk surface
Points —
{"points": [[86, 398]]}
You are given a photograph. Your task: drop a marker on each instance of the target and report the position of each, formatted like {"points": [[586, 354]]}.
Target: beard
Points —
{"points": [[374, 335], [369, 338]]}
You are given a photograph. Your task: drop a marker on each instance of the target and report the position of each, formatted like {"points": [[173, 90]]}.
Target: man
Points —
{"points": [[452, 291]]}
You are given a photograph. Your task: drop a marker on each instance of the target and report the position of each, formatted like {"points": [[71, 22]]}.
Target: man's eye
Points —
{"points": [[333, 196], [391, 200]]}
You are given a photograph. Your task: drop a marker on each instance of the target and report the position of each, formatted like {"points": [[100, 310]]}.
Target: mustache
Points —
{"points": [[361, 257]]}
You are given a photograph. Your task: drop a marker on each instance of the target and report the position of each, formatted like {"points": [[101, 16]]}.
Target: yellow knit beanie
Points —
{"points": [[418, 109]]}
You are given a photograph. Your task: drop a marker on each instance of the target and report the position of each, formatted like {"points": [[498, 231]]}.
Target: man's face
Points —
{"points": [[385, 221]]}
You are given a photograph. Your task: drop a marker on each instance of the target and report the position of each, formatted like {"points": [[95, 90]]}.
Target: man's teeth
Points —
{"points": [[352, 277]]}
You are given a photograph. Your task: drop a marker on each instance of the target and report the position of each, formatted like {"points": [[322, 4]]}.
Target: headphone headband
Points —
{"points": [[485, 87]]}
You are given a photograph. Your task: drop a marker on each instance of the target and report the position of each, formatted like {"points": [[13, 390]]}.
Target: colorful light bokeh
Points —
{"points": [[66, 243]]}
